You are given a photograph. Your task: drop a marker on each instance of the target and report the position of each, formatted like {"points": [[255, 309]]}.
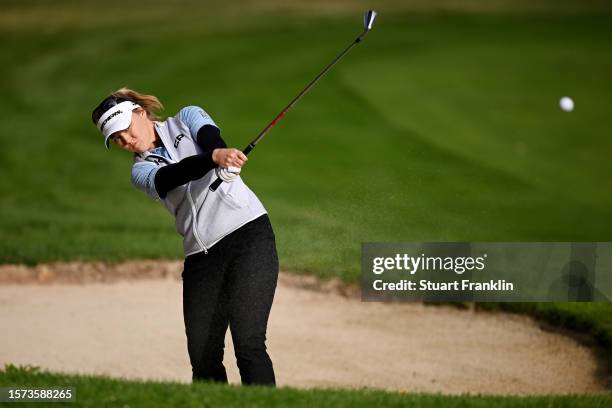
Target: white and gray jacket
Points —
{"points": [[202, 217]]}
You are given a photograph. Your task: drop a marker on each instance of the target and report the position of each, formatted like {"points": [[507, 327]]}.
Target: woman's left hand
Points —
{"points": [[229, 157]]}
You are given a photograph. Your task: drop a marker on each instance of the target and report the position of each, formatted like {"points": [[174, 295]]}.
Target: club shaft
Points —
{"points": [[251, 146], [302, 93]]}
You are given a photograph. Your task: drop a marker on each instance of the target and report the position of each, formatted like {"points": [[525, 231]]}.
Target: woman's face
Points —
{"points": [[139, 137]]}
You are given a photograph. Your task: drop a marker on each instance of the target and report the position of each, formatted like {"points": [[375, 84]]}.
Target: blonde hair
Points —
{"points": [[150, 103]]}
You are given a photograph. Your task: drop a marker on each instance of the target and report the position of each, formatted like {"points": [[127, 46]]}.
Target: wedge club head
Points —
{"points": [[368, 19]]}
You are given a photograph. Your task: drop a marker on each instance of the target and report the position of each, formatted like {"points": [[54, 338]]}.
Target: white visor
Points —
{"points": [[116, 118]]}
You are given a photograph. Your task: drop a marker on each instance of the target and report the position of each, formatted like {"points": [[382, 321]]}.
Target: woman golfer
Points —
{"points": [[231, 265]]}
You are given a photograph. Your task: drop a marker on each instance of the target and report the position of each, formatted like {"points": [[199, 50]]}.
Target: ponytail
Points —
{"points": [[150, 103]]}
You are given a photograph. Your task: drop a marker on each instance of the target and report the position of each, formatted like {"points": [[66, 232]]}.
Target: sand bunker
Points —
{"points": [[126, 320]]}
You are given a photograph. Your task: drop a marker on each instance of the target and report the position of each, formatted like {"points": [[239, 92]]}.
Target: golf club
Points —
{"points": [[368, 21]]}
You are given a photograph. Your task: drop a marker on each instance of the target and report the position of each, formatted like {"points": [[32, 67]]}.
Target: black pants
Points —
{"points": [[233, 285]]}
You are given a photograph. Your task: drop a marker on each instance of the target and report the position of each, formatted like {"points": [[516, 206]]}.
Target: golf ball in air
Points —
{"points": [[567, 104]]}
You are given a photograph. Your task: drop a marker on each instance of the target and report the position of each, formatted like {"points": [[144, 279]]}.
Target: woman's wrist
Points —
{"points": [[215, 154]]}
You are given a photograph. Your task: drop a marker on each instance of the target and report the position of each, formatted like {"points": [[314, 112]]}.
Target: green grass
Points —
{"points": [[103, 391], [440, 126]]}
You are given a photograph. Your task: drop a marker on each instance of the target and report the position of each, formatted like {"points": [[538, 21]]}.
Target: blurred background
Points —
{"points": [[443, 125]]}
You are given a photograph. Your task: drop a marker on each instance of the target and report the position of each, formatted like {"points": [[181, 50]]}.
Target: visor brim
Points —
{"points": [[122, 122], [116, 119]]}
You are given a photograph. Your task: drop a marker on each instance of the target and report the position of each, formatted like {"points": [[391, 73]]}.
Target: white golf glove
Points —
{"points": [[227, 174]]}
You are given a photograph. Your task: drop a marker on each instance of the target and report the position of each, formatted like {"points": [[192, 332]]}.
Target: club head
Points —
{"points": [[368, 19]]}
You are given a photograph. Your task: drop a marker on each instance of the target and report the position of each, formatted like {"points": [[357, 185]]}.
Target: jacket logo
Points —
{"points": [[178, 140]]}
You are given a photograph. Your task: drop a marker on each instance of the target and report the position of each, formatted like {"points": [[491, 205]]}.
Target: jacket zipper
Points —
{"points": [[195, 220], [191, 203]]}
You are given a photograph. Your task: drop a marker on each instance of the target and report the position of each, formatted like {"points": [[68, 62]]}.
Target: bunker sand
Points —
{"points": [[125, 320]]}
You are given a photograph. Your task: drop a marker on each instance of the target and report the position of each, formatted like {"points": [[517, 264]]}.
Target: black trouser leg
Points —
{"points": [[206, 318], [234, 282], [254, 273]]}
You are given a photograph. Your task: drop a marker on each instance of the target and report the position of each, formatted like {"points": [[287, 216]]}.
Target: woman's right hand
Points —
{"points": [[229, 157]]}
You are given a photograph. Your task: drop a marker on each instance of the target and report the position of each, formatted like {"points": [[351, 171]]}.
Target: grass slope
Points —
{"points": [[438, 127]]}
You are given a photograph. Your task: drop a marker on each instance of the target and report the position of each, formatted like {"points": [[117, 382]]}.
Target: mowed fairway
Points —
{"points": [[437, 127]]}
